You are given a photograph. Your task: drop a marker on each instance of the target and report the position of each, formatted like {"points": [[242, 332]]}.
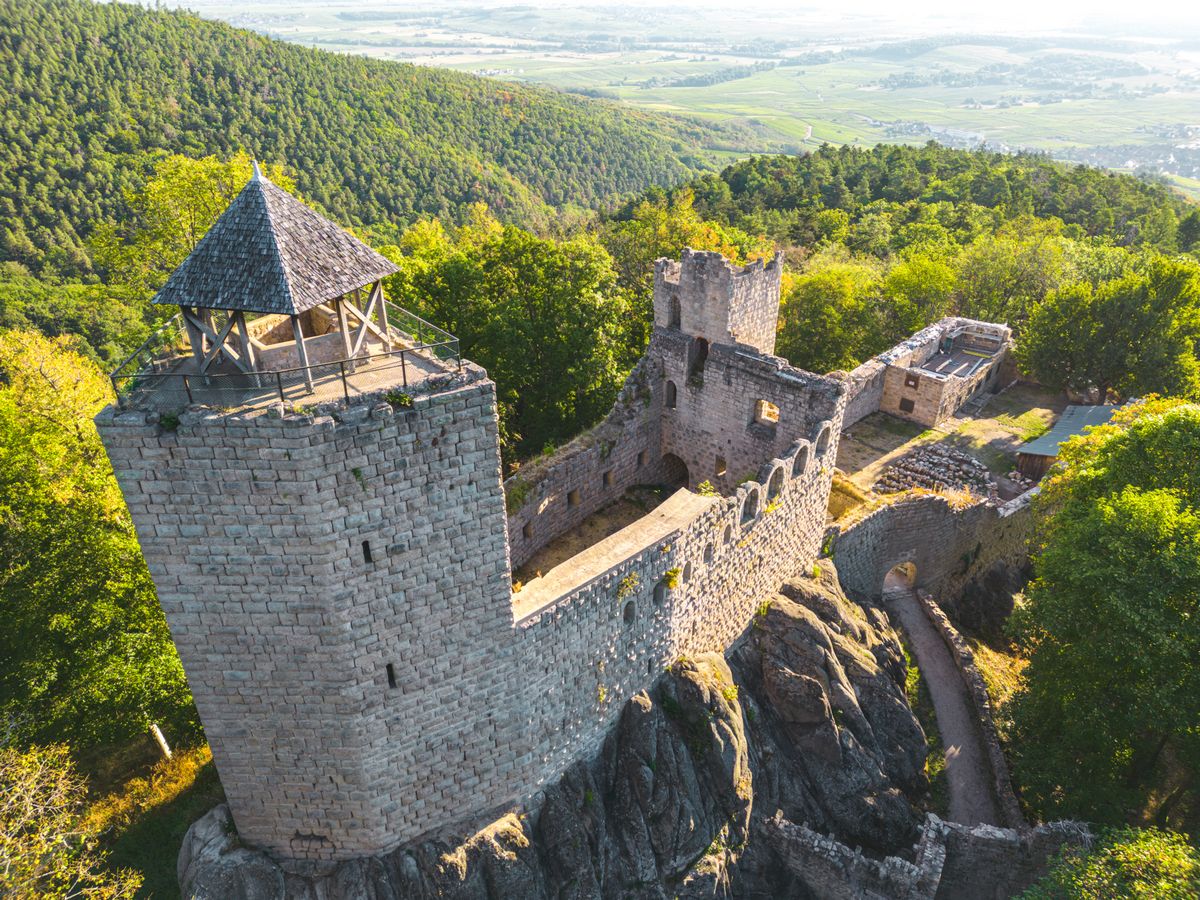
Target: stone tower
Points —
{"points": [[707, 297], [329, 545]]}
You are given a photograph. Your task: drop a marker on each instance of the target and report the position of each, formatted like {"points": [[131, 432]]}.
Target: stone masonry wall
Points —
{"points": [[712, 427], [549, 497], [296, 559], [584, 654], [948, 545]]}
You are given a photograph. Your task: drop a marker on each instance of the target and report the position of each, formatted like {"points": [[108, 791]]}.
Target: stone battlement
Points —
{"points": [[704, 295]]}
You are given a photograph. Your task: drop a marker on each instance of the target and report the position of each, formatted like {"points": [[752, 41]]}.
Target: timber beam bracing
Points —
{"points": [[376, 307], [209, 343]]}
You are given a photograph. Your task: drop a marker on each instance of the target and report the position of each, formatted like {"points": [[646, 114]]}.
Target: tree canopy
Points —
{"points": [[88, 658], [370, 141], [1105, 725]]}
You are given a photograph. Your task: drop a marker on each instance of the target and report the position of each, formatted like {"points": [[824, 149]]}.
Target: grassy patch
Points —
{"points": [[145, 819], [1026, 426], [1003, 671], [922, 706], [844, 496]]}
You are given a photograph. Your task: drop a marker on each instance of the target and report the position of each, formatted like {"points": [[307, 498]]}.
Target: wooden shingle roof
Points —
{"points": [[269, 253]]}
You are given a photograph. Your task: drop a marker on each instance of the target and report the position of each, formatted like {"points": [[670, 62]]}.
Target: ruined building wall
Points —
{"points": [[948, 544], [254, 527], [881, 383], [712, 426], [548, 497]]}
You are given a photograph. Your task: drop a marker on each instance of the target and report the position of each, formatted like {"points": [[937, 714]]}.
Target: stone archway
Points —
{"points": [[674, 471], [900, 576]]}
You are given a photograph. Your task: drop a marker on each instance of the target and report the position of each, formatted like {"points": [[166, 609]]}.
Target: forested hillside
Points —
{"points": [[91, 87], [783, 195]]}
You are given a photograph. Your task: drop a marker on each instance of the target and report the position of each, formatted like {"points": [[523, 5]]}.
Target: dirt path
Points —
{"points": [[967, 770]]}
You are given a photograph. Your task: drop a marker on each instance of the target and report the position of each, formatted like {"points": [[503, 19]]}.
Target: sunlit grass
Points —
{"points": [[143, 821]]}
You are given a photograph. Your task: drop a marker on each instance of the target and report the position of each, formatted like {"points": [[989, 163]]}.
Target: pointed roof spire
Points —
{"points": [[270, 253], [257, 176]]}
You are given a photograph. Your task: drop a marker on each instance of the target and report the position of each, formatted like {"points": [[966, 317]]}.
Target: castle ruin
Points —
{"points": [[334, 548]]}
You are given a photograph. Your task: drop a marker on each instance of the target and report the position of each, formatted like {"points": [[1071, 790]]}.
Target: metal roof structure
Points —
{"points": [[1072, 422], [269, 253]]}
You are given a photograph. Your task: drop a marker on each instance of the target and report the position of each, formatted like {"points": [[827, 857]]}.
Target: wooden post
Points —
{"points": [[377, 289], [347, 352], [246, 346], [302, 353], [195, 336]]}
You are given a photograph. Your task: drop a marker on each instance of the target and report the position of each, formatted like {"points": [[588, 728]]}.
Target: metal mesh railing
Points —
{"points": [[163, 372]]}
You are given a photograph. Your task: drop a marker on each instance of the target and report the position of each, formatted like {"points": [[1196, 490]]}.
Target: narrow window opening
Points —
{"points": [[911, 379], [687, 573], [573, 498], [672, 397], [660, 593], [801, 463], [697, 357], [708, 553], [629, 612], [641, 459], [675, 314], [750, 507], [823, 441], [728, 534], [391, 673], [775, 485], [907, 405], [766, 413], [608, 478], [650, 666], [721, 466], [527, 531], [367, 551]]}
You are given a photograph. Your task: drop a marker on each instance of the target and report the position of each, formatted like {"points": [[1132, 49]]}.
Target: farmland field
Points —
{"points": [[799, 80]]}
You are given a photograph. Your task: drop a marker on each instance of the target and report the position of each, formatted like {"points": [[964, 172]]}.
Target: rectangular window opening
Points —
{"points": [[573, 498], [911, 379], [608, 478], [766, 412], [721, 466], [367, 551], [907, 405], [391, 673], [641, 459]]}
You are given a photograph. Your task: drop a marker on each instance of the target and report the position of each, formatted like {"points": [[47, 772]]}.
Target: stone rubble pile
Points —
{"points": [[1020, 480], [935, 468]]}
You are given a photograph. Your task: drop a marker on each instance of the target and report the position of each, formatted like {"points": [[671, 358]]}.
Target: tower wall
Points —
{"points": [[254, 526], [719, 301]]}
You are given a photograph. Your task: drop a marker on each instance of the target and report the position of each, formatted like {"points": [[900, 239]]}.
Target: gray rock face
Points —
{"points": [[808, 717]]}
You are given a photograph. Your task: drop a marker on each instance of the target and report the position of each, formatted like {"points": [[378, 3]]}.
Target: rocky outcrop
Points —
{"points": [[693, 793]]}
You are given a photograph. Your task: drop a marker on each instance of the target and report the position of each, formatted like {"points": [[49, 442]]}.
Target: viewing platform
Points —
{"points": [[164, 373], [277, 304]]}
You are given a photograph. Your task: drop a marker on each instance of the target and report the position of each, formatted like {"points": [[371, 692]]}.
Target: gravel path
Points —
{"points": [[967, 770]]}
